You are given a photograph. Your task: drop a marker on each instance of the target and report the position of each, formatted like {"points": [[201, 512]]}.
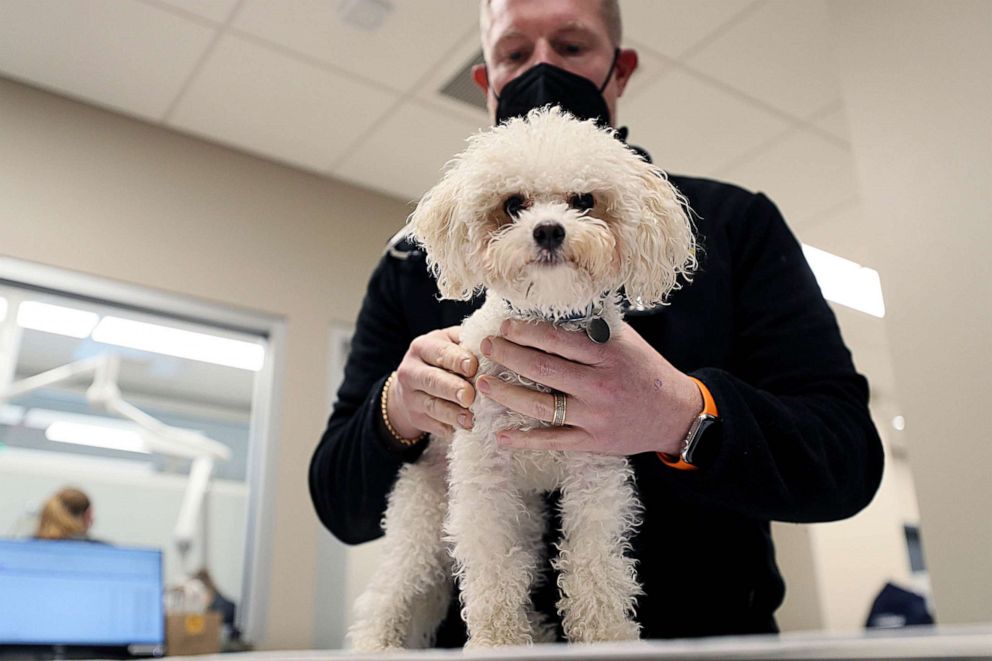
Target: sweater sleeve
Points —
{"points": [[798, 442], [354, 466]]}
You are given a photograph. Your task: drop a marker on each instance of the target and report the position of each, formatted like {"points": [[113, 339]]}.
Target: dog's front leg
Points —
{"points": [[599, 513], [409, 594], [492, 532]]}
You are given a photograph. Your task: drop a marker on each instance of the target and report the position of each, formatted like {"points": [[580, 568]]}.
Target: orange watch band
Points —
{"points": [[709, 408]]}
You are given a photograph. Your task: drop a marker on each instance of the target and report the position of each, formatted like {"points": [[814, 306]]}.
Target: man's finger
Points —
{"points": [[532, 403], [436, 382], [442, 410], [442, 350], [434, 428], [571, 345], [544, 368]]}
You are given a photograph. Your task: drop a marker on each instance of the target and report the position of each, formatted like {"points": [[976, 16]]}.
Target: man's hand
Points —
{"points": [[623, 397], [430, 392]]}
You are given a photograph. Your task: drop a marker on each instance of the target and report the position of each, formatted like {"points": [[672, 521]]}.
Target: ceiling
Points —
{"points": [[741, 90], [736, 89]]}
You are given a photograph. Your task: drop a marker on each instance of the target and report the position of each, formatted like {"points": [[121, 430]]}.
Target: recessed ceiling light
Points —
{"points": [[40, 418], [96, 436], [56, 319], [845, 282], [899, 423], [368, 15], [180, 343]]}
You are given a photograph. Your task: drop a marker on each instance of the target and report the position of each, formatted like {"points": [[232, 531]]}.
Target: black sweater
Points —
{"points": [[798, 443]]}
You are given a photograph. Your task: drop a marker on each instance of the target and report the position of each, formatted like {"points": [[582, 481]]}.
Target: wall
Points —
{"points": [[94, 192], [916, 79]]}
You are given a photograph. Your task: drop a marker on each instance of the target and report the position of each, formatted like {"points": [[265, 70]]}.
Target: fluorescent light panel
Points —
{"points": [[96, 436], [3, 308], [39, 418], [56, 319], [845, 282], [180, 343]]}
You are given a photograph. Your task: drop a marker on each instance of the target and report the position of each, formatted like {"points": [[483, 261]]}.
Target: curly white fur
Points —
{"points": [[636, 234]]}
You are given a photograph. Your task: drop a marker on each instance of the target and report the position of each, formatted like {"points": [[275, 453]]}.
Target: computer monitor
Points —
{"points": [[81, 594]]}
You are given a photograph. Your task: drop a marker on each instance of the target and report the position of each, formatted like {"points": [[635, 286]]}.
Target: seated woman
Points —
{"points": [[66, 515]]}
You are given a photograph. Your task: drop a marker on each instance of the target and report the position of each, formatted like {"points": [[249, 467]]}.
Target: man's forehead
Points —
{"points": [[513, 31], [523, 17]]}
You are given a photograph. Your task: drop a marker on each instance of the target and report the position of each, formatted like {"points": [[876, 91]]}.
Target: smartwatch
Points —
{"points": [[703, 440]]}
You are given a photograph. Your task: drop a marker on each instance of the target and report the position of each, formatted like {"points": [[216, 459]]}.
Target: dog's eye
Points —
{"points": [[513, 206], [581, 202]]}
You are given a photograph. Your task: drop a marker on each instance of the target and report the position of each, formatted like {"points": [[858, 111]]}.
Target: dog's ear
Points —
{"points": [[662, 245], [436, 225]]}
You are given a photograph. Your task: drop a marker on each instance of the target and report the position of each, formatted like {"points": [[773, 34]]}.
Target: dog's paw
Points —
{"points": [[604, 632], [488, 641]]}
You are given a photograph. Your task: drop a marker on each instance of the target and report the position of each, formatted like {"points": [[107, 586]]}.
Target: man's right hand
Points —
{"points": [[431, 392]]}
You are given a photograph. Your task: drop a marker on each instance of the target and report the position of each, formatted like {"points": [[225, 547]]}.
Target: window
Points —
{"points": [[119, 391]]}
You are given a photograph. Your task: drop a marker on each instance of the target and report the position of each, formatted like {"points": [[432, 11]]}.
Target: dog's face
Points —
{"points": [[550, 213]]}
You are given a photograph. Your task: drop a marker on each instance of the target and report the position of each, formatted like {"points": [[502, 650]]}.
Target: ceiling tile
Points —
{"points": [[413, 38], [833, 122], [261, 100], [129, 56], [806, 175], [842, 231], [407, 153], [212, 10], [780, 54], [429, 91], [674, 26], [695, 128], [650, 67]]}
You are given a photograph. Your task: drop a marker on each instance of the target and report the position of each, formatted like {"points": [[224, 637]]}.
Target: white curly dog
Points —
{"points": [[552, 216]]}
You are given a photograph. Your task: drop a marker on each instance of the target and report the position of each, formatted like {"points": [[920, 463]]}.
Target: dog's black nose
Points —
{"points": [[549, 235]]}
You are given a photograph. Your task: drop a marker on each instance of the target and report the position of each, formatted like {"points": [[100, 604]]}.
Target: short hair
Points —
{"points": [[608, 9]]}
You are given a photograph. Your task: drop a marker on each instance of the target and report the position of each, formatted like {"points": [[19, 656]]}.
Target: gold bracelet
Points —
{"points": [[383, 403]]}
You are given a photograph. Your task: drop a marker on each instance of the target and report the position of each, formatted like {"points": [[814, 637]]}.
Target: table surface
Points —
{"points": [[958, 642]]}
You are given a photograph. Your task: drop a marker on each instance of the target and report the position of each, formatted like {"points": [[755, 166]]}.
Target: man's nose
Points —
{"points": [[544, 53]]}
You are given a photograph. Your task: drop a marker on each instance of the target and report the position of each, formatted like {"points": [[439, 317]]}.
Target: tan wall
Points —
{"points": [[91, 191], [915, 76]]}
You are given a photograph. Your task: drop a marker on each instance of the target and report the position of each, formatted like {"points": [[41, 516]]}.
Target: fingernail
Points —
{"points": [[467, 366], [463, 421], [483, 386], [461, 396], [502, 439], [486, 346]]}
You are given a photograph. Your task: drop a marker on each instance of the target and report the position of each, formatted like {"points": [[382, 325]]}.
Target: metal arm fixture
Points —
{"points": [[157, 436]]}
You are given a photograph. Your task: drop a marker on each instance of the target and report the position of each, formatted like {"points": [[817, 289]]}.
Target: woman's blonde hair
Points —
{"points": [[63, 516]]}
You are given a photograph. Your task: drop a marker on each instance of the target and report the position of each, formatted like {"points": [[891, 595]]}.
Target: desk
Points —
{"points": [[930, 643]]}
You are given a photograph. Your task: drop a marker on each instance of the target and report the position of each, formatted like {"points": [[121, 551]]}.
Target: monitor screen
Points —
{"points": [[79, 593]]}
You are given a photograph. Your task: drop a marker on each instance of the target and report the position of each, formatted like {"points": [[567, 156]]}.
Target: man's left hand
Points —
{"points": [[623, 397]]}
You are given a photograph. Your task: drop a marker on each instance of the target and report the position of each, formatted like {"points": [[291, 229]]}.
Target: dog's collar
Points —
{"points": [[590, 319]]}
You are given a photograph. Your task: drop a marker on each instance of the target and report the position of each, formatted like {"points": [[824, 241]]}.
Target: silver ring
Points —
{"points": [[559, 418]]}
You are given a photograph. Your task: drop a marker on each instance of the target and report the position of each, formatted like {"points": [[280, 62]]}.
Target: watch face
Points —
{"points": [[704, 445]]}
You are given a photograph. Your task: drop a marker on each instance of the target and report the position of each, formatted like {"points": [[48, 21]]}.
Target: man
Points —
{"points": [[738, 403]]}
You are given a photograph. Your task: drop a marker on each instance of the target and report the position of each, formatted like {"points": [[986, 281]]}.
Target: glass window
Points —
{"points": [[120, 401]]}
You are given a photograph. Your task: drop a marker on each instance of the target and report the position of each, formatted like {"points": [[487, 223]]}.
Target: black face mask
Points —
{"points": [[547, 85]]}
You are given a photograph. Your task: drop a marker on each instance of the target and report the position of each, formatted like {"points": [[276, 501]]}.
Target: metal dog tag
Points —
{"points": [[598, 331]]}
